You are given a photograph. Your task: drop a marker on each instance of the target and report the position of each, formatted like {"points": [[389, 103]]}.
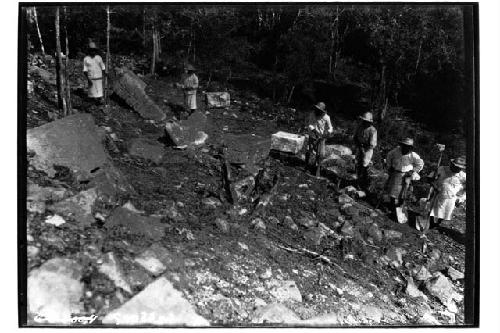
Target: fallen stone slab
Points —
{"points": [[147, 149], [54, 292], [287, 142], [74, 142], [112, 269], [286, 291], [189, 132], [454, 274], [78, 207], [338, 150], [413, 291], [218, 99], [247, 149], [110, 184], [131, 88], [156, 259], [274, 313], [158, 304], [443, 289], [422, 273], [148, 226]]}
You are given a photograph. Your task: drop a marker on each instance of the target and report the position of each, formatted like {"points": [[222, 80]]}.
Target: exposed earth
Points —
{"points": [[139, 232]]}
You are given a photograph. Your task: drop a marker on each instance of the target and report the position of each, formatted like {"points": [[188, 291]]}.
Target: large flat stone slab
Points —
{"points": [[131, 88], [147, 226], [247, 149], [54, 292], [287, 142], [158, 304], [189, 132], [74, 142]]}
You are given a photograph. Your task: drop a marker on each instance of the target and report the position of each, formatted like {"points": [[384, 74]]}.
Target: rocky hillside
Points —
{"points": [[128, 229]]}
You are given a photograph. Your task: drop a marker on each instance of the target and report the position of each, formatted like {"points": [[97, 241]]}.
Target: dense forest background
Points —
{"points": [[354, 57]]}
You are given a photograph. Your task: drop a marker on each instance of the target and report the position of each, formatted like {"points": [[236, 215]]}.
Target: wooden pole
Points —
{"points": [[66, 65], [38, 30], [108, 55], [59, 78]]}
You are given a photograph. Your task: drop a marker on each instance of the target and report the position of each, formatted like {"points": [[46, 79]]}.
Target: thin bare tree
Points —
{"points": [[35, 16], [108, 29], [67, 86], [61, 100]]}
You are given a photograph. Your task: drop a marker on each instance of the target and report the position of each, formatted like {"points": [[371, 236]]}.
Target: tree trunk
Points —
{"points": [[66, 65], [144, 28], [59, 78], [153, 60], [38, 30], [417, 63], [108, 29], [275, 77], [290, 95]]}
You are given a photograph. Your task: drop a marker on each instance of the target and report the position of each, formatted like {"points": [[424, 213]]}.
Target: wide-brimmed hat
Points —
{"points": [[321, 106], [92, 45], [190, 68], [367, 116], [459, 162], [406, 142]]}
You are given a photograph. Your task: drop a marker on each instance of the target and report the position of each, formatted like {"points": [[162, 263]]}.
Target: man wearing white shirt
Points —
{"points": [[403, 165], [94, 70], [319, 127]]}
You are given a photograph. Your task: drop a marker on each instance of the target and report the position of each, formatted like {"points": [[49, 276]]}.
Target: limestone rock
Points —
{"points": [[454, 274], [155, 259], [258, 224], [148, 226], [274, 313], [131, 88], [54, 291], [288, 221], [78, 207], [158, 304], [189, 132], [287, 142], [55, 220], [218, 99], [286, 291], [73, 142], [222, 225], [392, 234], [375, 232], [111, 268], [443, 289]]}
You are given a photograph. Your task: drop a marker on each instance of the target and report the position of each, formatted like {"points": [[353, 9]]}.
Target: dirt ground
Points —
{"points": [[227, 274]]}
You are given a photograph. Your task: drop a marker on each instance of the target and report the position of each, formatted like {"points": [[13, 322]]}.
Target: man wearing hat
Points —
{"points": [[365, 139], [450, 188], [189, 85], [319, 127], [94, 70], [403, 165]]}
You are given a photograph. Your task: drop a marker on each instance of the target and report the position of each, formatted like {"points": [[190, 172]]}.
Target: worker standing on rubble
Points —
{"points": [[94, 70], [403, 165], [190, 85], [319, 128], [365, 139], [450, 191]]}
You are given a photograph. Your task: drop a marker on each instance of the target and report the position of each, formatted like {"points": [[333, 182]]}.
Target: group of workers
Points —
{"points": [[403, 165], [95, 70]]}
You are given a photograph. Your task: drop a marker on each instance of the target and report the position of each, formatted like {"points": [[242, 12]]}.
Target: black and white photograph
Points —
{"points": [[295, 165]]}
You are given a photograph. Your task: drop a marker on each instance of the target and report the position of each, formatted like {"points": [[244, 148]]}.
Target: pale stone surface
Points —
{"points": [[78, 207], [54, 291], [111, 268], [73, 142], [441, 287], [329, 319], [158, 304], [218, 99], [55, 220], [286, 291], [287, 142], [274, 313]]}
